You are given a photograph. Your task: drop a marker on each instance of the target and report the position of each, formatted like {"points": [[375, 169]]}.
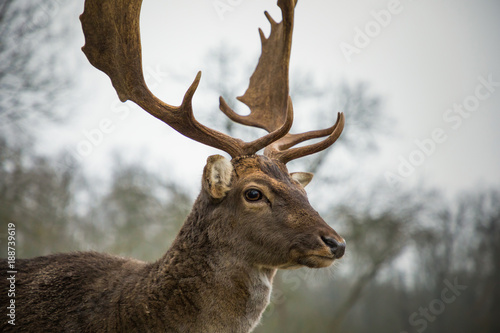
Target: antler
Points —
{"points": [[268, 92], [112, 44]]}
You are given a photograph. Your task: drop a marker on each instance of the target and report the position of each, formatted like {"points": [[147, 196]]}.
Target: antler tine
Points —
{"points": [[282, 149]]}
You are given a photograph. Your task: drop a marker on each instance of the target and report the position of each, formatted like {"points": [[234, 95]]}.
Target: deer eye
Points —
{"points": [[253, 195]]}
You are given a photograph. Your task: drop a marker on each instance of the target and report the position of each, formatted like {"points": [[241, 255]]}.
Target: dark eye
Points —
{"points": [[253, 195]]}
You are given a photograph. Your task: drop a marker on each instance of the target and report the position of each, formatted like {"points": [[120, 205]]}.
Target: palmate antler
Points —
{"points": [[269, 88], [112, 44]]}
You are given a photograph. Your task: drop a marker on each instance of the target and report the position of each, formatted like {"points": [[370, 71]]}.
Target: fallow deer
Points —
{"points": [[251, 218]]}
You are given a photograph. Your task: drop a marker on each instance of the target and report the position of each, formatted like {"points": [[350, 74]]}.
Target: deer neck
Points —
{"points": [[204, 280]]}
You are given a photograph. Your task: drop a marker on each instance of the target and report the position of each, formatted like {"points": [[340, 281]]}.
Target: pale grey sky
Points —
{"points": [[423, 59]]}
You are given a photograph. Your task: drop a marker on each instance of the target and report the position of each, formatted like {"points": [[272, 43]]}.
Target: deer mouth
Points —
{"points": [[313, 258], [316, 261]]}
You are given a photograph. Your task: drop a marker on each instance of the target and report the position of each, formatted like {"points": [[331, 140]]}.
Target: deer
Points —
{"points": [[251, 217]]}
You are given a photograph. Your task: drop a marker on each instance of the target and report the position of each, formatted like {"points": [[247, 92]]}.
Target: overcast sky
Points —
{"points": [[435, 64]]}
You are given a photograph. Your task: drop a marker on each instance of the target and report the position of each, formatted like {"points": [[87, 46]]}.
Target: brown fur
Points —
{"points": [[216, 277]]}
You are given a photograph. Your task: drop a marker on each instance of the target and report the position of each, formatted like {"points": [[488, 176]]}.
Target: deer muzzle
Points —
{"points": [[336, 246]]}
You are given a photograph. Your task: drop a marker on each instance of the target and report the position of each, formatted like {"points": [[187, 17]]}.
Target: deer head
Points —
{"points": [[261, 209], [267, 219]]}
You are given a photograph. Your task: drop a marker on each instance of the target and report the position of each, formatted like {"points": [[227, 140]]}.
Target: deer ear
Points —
{"points": [[303, 178], [217, 176]]}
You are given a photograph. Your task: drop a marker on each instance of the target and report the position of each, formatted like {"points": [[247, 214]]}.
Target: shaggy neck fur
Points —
{"points": [[206, 285]]}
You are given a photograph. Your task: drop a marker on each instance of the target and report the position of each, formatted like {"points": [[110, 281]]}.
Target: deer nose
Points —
{"points": [[337, 248]]}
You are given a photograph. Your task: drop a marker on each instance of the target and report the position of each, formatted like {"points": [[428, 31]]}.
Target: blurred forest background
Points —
{"points": [[416, 260]]}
